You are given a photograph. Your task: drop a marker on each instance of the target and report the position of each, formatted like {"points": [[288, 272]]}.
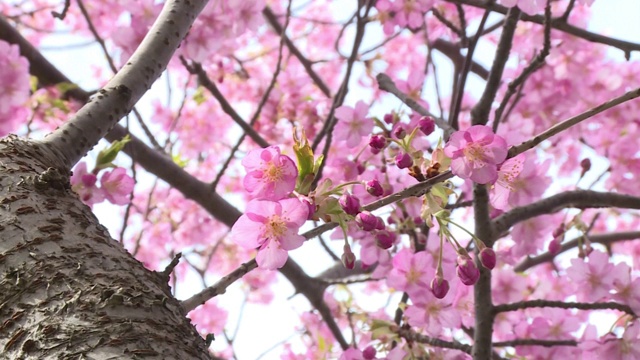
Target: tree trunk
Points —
{"points": [[68, 290]]}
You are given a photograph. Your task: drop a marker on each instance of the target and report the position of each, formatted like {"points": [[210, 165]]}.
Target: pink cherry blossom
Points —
{"points": [[593, 276], [475, 154], [270, 175], [411, 272], [117, 186], [84, 184], [272, 227], [353, 124]]}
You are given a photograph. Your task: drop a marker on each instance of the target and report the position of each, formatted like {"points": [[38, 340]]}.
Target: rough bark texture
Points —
{"points": [[69, 291]]}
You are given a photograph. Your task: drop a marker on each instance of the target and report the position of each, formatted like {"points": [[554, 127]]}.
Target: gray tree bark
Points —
{"points": [[68, 290]]}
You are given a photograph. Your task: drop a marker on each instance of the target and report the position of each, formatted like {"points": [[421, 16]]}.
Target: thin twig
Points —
{"points": [[562, 305], [560, 127], [605, 239], [385, 83], [196, 69], [458, 92], [533, 66]]}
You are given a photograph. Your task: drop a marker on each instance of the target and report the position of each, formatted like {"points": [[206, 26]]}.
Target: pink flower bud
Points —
{"points": [[427, 125], [311, 206], [554, 246], [557, 232], [404, 160], [380, 223], [374, 188], [439, 287], [399, 132], [377, 142], [349, 203], [388, 118], [385, 239], [369, 353], [348, 258], [585, 164], [360, 167], [488, 258], [467, 270], [366, 221]]}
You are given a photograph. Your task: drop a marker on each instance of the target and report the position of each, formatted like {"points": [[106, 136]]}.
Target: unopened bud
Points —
{"points": [[399, 132], [349, 203], [377, 142], [404, 160], [369, 353], [467, 270], [427, 125], [488, 258], [385, 239], [366, 221], [439, 287], [348, 258], [374, 188]]}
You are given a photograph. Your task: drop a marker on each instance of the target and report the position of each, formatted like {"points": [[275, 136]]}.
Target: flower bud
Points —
{"points": [[385, 239], [404, 160], [369, 353], [399, 132], [348, 258], [366, 221], [427, 125], [439, 287], [388, 118], [585, 164], [311, 206], [377, 142], [360, 167], [349, 203], [554, 246], [380, 223], [374, 188], [488, 258], [467, 270]]}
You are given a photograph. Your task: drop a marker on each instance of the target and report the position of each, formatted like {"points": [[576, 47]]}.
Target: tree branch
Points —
{"points": [[273, 21], [98, 116], [626, 46], [558, 128], [562, 305], [581, 199], [605, 239], [412, 336], [385, 83], [536, 342], [480, 112], [196, 69]]}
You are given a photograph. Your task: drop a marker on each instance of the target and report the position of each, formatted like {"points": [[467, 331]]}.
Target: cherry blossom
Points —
{"points": [[84, 184], [117, 186], [475, 154], [272, 227], [353, 124], [270, 175]]}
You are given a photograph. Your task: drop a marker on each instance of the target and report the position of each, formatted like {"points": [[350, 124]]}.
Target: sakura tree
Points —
{"points": [[427, 179]]}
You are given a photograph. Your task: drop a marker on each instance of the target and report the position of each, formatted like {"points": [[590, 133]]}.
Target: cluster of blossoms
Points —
{"points": [[14, 76], [114, 185], [272, 218]]}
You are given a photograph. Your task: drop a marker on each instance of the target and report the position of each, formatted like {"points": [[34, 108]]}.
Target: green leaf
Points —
{"points": [[199, 96], [179, 160], [106, 156], [306, 163]]}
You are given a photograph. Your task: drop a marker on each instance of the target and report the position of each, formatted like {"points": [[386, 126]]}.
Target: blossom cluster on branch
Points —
{"points": [[276, 108]]}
